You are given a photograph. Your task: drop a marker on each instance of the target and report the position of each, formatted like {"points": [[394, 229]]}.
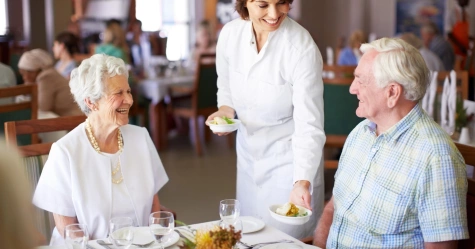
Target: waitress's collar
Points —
{"points": [[252, 38]]}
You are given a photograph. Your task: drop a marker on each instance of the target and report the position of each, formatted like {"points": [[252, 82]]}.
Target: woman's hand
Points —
{"points": [[223, 111], [300, 195]]}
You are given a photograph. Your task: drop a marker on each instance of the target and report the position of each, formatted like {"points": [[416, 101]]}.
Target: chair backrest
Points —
{"points": [[36, 156], [468, 153], [206, 83], [336, 73], [462, 82], [20, 111]]}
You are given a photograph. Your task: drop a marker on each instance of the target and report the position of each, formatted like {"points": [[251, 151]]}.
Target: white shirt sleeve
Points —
{"points": [[309, 137], [222, 69], [53, 192]]}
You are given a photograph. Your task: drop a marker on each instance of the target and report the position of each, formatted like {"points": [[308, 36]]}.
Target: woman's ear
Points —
{"points": [[91, 105]]}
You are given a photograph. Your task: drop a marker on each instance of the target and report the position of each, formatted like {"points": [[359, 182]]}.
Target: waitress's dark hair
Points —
{"points": [[70, 41], [242, 9]]}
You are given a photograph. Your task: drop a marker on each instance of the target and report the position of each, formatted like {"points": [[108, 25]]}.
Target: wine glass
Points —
{"points": [[229, 210], [121, 232], [76, 236], [161, 224]]}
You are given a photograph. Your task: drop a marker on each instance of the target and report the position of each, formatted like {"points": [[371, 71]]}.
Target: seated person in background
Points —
{"points": [[7, 79], [139, 44], [437, 44], [433, 62], [114, 43], [64, 48], [54, 95], [351, 54], [104, 168], [205, 43], [401, 182], [16, 229]]}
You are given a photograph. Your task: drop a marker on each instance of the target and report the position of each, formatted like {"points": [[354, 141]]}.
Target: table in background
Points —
{"points": [[156, 89]]}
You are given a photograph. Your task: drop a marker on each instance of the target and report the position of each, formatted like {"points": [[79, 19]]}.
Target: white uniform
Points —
{"points": [[278, 95], [76, 180]]}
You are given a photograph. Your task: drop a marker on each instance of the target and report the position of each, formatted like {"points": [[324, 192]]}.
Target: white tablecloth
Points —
{"points": [[267, 234], [156, 89]]}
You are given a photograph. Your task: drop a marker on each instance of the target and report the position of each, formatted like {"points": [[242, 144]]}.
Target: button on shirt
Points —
{"points": [[400, 189]]}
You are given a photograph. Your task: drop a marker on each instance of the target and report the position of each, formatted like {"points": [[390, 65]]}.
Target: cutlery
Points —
{"points": [[258, 245], [107, 245]]}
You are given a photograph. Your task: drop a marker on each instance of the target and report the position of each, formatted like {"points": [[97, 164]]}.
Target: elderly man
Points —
{"points": [[401, 182]]}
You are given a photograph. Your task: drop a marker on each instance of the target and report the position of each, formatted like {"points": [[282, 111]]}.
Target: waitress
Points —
{"points": [[270, 76]]}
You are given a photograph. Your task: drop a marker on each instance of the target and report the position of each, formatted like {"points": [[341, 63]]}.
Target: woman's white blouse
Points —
{"points": [[277, 94], [76, 180]]}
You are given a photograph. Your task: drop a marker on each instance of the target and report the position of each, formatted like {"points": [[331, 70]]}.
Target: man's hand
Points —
{"points": [[300, 195]]}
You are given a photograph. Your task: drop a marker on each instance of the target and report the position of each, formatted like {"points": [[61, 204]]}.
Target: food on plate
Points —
{"points": [[289, 209], [221, 121]]}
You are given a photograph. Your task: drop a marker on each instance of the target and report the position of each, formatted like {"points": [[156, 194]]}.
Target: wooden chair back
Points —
{"points": [[205, 85], [20, 111], [468, 153], [14, 128], [462, 82], [338, 74]]}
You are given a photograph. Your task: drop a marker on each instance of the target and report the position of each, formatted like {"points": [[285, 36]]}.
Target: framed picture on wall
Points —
{"points": [[410, 14]]}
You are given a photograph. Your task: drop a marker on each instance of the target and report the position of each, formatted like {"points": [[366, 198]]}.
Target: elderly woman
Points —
{"points": [[104, 168], [36, 66], [270, 76]]}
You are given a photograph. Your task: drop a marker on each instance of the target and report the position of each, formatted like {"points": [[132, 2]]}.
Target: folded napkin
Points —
{"points": [[330, 56], [452, 100], [429, 97], [443, 104]]}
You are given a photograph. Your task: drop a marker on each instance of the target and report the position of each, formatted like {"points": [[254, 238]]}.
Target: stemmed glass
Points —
{"points": [[229, 210], [121, 232], [161, 224], [76, 236]]}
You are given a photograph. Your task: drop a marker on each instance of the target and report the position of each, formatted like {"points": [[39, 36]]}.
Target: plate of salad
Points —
{"points": [[223, 124]]}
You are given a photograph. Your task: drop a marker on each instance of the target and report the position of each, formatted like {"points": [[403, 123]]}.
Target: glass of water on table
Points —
{"points": [[229, 211], [161, 224]]}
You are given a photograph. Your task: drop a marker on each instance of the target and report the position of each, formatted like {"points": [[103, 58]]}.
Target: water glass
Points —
{"points": [[76, 236], [229, 210], [161, 224], [121, 232]]}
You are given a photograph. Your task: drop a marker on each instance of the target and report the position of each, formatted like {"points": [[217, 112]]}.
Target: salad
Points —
{"points": [[221, 121], [290, 210]]}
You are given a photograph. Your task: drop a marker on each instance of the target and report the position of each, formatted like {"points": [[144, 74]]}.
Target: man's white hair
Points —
{"points": [[399, 62], [88, 80]]}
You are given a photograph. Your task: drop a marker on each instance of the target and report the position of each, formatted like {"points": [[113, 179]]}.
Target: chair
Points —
{"points": [[336, 72], [20, 111], [198, 100], [468, 153], [462, 77]]}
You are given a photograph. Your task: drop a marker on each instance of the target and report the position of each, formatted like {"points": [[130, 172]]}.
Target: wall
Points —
{"points": [[15, 18], [38, 24]]}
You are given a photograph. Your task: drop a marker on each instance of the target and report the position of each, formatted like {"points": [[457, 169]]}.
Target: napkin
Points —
{"points": [[452, 100], [330, 56], [433, 92], [443, 104]]}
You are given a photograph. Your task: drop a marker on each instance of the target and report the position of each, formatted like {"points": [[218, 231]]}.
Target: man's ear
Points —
{"points": [[394, 92]]}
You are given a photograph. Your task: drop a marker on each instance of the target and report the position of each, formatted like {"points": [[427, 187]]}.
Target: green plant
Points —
{"points": [[461, 117]]}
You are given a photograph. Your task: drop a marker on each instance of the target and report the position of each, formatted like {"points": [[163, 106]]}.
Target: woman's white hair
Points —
{"points": [[88, 80], [399, 62]]}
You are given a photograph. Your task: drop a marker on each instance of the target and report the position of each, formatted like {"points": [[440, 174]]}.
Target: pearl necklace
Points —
{"points": [[96, 147]]}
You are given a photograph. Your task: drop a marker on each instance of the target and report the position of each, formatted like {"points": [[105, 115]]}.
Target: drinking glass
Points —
{"points": [[161, 224], [76, 236], [229, 210], [121, 232]]}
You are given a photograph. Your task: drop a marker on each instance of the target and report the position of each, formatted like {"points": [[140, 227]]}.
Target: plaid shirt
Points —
{"points": [[400, 189]]}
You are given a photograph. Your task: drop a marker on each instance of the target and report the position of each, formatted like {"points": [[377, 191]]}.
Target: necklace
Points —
{"points": [[96, 148]]}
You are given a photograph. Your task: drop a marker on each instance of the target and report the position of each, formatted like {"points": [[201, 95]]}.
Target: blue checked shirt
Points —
{"points": [[400, 189]]}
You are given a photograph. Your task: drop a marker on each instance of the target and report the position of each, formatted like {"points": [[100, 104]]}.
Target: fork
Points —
{"points": [[265, 243], [107, 245]]}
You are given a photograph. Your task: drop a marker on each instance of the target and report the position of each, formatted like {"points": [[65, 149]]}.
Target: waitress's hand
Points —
{"points": [[223, 111], [300, 195]]}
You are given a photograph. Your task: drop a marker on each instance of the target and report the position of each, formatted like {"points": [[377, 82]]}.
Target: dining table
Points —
{"points": [[156, 89], [263, 234]]}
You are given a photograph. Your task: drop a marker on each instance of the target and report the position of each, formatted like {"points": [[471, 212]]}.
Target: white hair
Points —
{"points": [[88, 80], [399, 62]]}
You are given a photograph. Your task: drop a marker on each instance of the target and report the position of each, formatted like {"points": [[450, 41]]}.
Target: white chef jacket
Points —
{"points": [[278, 95], [76, 180]]}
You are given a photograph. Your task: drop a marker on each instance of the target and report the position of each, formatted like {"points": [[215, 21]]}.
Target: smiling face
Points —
{"points": [[267, 15], [372, 99], [114, 107]]}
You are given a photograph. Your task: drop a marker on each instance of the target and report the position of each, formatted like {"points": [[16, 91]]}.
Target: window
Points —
{"points": [[3, 17]]}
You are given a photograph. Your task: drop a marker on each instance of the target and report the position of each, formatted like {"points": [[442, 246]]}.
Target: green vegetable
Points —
{"points": [[229, 121]]}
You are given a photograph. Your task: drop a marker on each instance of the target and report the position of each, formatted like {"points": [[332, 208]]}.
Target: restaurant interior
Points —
{"points": [[169, 49]]}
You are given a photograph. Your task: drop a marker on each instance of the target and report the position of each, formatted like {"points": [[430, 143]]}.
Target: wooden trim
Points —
{"points": [[335, 140], [339, 69], [47, 125], [330, 164], [13, 91], [338, 81]]}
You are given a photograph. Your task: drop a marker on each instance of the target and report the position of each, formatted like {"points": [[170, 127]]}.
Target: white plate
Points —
{"points": [[142, 235], [226, 127], [251, 224], [282, 246], [290, 220]]}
